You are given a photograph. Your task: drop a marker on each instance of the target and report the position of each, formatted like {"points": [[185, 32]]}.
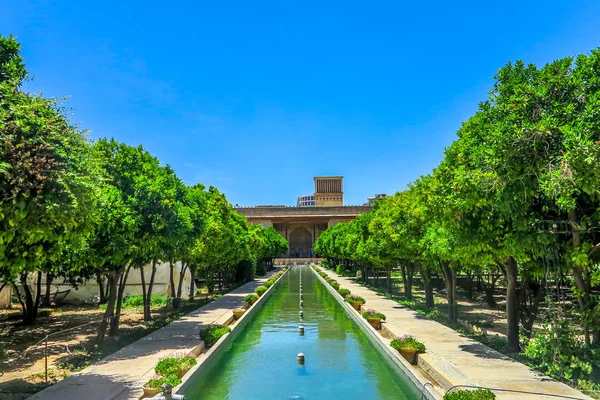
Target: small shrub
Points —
{"points": [[340, 269], [174, 366], [323, 274], [343, 292], [408, 342], [479, 394], [268, 284], [212, 333], [261, 290], [589, 387], [251, 298], [371, 313], [261, 269], [334, 285], [354, 298], [156, 383]]}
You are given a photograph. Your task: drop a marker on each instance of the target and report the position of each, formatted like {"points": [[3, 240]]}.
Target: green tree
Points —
{"points": [[48, 177]]}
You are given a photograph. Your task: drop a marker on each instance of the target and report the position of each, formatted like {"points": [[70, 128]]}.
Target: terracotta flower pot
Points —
{"points": [[237, 314], [409, 355], [151, 392], [375, 322], [356, 305]]}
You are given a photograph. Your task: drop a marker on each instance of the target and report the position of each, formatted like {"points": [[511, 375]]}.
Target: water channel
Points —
{"points": [[341, 362]]}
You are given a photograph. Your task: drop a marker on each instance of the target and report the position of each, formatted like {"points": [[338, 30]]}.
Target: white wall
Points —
{"points": [[89, 292]]}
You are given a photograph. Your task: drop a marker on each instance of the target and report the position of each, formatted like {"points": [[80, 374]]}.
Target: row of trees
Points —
{"points": [[103, 210], [517, 194]]}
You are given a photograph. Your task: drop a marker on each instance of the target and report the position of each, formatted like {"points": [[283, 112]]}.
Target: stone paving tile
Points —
{"points": [[478, 364], [121, 375]]}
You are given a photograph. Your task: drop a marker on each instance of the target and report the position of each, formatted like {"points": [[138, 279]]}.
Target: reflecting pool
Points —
{"points": [[341, 362]]}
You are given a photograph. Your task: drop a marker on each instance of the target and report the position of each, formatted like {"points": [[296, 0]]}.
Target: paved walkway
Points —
{"points": [[457, 358], [121, 375]]}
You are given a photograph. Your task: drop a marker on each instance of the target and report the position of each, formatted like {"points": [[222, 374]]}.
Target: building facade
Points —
{"points": [[301, 226]]}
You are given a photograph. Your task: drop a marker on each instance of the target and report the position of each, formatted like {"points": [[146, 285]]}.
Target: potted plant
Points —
{"points": [[374, 318], [212, 333], [343, 292], [260, 290], [153, 386], [355, 300], [238, 312], [177, 366], [408, 346], [251, 298], [268, 284]]}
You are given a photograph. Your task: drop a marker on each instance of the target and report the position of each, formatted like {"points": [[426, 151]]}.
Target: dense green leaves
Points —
{"points": [[526, 163], [83, 210]]}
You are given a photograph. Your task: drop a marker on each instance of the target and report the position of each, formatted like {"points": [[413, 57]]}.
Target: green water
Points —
{"points": [[341, 363]]}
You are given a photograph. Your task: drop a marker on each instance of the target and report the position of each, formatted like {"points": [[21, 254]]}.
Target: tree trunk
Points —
{"points": [[38, 295], [512, 306], [148, 298], [489, 290], [19, 297], [114, 325], [388, 277], [145, 301], [171, 278], [193, 284], [586, 303], [410, 272], [450, 280], [29, 310], [180, 285], [469, 285], [113, 284], [427, 285], [48, 290], [530, 296], [407, 280], [103, 291]]}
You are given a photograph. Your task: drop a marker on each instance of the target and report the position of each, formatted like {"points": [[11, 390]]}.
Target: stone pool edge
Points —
{"points": [[221, 344], [423, 385]]}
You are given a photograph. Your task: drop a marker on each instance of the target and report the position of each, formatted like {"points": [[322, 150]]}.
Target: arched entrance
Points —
{"points": [[300, 243]]}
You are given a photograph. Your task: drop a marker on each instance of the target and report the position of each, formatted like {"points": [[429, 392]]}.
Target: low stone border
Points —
{"points": [[416, 378], [221, 344]]}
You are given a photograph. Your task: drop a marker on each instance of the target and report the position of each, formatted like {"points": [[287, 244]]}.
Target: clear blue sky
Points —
{"points": [[257, 97]]}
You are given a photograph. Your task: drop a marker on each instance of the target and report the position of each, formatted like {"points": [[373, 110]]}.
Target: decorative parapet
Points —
{"points": [[294, 211]]}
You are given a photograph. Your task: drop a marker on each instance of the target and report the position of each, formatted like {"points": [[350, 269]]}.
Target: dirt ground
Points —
{"points": [[72, 331], [475, 312]]}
